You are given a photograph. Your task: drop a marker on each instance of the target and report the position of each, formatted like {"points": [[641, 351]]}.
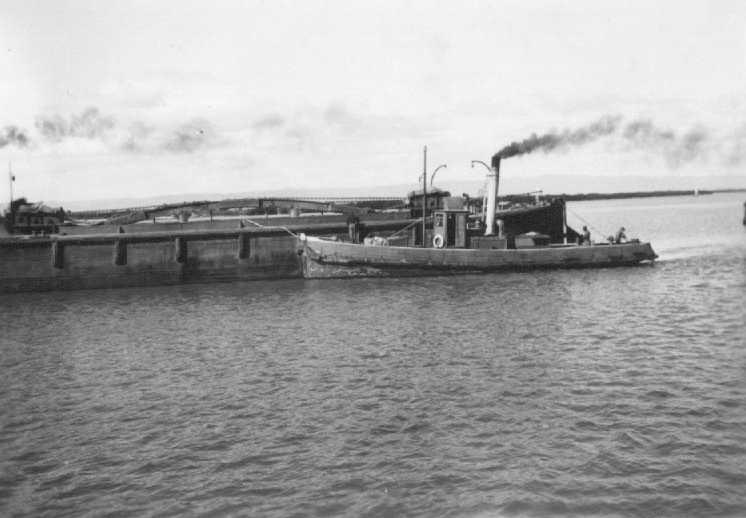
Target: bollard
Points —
{"points": [[58, 254], [180, 250]]}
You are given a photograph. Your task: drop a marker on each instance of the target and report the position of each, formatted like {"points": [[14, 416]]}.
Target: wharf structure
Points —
{"points": [[162, 254]]}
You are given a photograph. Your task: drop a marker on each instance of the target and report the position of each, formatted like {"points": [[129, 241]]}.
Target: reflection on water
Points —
{"points": [[592, 392]]}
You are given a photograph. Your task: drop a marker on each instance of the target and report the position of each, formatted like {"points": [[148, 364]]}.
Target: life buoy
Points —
{"points": [[438, 241]]}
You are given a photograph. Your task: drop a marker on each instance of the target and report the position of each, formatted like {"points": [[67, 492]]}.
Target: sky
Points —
{"points": [[105, 100]]}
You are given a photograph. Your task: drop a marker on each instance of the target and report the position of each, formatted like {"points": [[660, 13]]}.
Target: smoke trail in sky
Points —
{"points": [[640, 134], [12, 135], [552, 140]]}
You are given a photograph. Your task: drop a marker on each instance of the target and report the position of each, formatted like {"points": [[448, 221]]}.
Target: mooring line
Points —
{"points": [[271, 226]]}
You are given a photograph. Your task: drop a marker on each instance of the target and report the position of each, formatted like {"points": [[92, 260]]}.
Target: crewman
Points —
{"points": [[620, 237]]}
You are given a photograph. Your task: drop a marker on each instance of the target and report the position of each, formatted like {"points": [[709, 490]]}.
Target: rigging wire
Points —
{"points": [[405, 228], [601, 232]]}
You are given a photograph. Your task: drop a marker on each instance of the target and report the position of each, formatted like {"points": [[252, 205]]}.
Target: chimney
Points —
{"points": [[493, 178]]}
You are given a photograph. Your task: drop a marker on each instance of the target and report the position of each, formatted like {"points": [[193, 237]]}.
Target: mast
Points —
{"points": [[11, 178], [424, 195]]}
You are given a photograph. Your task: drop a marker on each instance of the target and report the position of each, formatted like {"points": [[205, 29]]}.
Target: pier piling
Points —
{"points": [[58, 253], [244, 246], [180, 250]]}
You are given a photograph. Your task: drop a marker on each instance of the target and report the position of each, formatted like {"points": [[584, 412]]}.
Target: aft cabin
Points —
{"points": [[436, 199], [450, 229]]}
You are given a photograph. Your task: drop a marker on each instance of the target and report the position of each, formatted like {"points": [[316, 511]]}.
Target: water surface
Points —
{"points": [[615, 392]]}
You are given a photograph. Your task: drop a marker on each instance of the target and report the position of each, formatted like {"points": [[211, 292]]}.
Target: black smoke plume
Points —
{"points": [[12, 135], [559, 139], [641, 134]]}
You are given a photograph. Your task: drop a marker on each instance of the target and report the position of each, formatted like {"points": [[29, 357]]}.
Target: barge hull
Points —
{"points": [[203, 253], [101, 263]]}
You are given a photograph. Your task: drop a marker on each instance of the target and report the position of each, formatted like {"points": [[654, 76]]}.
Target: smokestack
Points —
{"points": [[493, 179]]}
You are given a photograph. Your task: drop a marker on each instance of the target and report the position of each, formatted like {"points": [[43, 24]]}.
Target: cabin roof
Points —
{"points": [[430, 192], [37, 208]]}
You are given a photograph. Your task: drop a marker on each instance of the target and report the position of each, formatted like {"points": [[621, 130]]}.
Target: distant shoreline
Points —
{"points": [[637, 194], [516, 198]]}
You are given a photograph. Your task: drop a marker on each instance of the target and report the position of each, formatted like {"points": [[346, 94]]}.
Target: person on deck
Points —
{"points": [[620, 237], [585, 238]]}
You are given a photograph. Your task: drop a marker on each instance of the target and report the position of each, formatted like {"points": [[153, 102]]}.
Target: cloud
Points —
{"points": [[144, 94], [676, 149], [268, 122], [12, 135], [321, 129], [138, 137], [191, 136], [90, 124], [736, 147], [52, 127], [338, 114]]}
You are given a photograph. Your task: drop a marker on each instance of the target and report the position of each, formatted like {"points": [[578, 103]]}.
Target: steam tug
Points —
{"points": [[451, 239]]}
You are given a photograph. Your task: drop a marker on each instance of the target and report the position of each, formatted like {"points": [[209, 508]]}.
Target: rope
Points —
{"points": [[296, 235], [600, 232], [405, 228], [271, 226]]}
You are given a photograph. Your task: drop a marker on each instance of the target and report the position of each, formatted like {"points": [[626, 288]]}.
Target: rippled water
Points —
{"points": [[618, 392]]}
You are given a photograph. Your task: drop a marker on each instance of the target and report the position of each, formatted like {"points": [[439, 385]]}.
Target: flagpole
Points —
{"points": [[11, 178], [424, 196]]}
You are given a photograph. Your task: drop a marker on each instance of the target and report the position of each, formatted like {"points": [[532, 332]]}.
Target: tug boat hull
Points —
{"points": [[334, 259]]}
